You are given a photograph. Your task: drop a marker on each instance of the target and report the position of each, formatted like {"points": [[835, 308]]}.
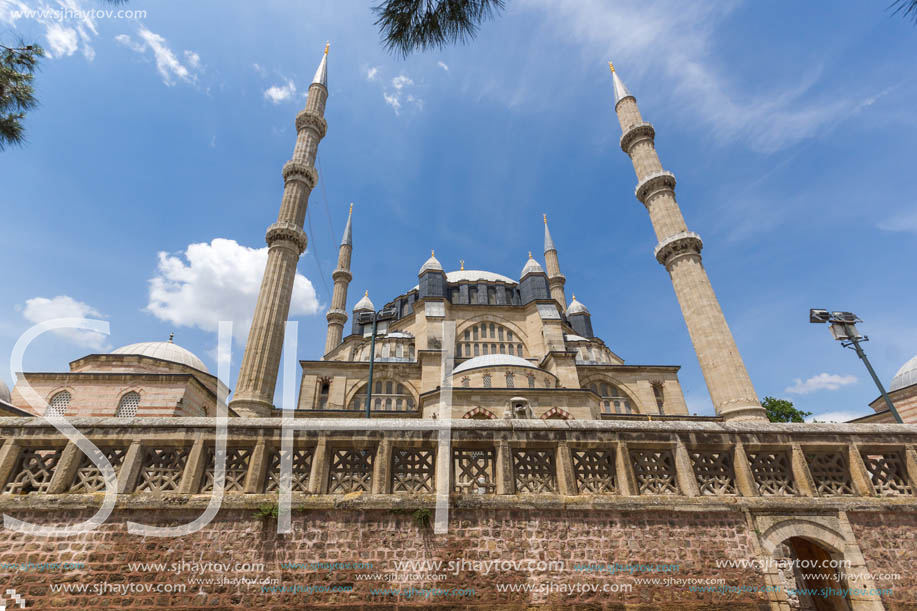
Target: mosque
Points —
{"points": [[515, 346]]}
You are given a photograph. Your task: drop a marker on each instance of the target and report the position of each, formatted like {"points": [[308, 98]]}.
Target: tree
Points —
{"points": [[781, 410], [907, 8], [17, 68], [409, 25]]}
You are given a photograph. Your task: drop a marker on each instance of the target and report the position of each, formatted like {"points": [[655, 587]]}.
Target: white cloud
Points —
{"points": [[443, 66], [41, 309], [401, 81], [675, 42], [393, 101], [372, 73], [214, 282], [839, 416], [822, 381], [280, 93], [61, 40], [168, 65], [66, 25], [902, 222]]}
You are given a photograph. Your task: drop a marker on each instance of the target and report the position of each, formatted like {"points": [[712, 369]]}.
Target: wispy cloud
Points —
{"points": [[170, 68], [443, 66], [906, 221], [67, 31], [41, 309], [281, 93], [372, 73], [822, 381], [400, 95]]}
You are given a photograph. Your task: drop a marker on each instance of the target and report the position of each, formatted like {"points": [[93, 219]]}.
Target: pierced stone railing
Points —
{"points": [[577, 463]]}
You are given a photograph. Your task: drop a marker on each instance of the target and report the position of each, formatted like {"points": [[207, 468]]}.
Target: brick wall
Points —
{"points": [[690, 539], [889, 544]]}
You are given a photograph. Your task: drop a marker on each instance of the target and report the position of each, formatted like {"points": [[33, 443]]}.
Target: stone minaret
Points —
{"points": [[556, 279], [679, 251], [286, 241], [337, 315]]}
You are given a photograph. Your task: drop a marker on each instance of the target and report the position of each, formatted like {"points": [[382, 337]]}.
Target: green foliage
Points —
{"points": [[781, 410], [409, 25], [17, 68], [422, 517], [267, 510]]}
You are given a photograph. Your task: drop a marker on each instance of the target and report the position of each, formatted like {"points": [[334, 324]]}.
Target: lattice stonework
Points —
{"points": [[534, 470], [412, 470], [714, 473], [302, 469], [162, 469], [830, 473], [33, 471], [351, 471], [887, 473], [773, 473], [236, 469], [89, 476], [469, 467], [594, 471], [654, 471]]}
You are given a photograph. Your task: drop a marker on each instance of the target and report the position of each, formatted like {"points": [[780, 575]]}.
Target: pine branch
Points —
{"points": [[409, 25]]}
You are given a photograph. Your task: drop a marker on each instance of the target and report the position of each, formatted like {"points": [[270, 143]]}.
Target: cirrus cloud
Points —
{"points": [[822, 381]]}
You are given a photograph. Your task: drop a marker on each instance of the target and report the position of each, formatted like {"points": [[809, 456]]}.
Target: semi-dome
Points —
{"points": [[431, 265], [576, 307], [906, 376], [4, 392], [166, 351], [493, 360], [364, 304], [531, 267]]}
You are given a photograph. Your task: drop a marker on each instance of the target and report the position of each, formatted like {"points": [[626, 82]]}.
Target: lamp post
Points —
{"points": [[364, 318], [843, 328]]}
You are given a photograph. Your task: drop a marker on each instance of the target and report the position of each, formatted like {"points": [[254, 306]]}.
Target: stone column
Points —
{"points": [[286, 241], [679, 250]]}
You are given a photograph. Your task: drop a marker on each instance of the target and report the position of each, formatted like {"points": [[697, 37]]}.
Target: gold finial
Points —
{"points": [[432, 253], [327, 44], [366, 294], [574, 296], [351, 207], [612, 66], [530, 254], [462, 264], [171, 336], [545, 217]]}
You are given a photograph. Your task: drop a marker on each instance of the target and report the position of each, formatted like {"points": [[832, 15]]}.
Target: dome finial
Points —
{"points": [[328, 44], [351, 208], [171, 336], [366, 294], [461, 264], [545, 217], [432, 252]]}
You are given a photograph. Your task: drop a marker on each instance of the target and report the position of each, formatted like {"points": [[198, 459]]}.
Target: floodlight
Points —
{"points": [[819, 316]]}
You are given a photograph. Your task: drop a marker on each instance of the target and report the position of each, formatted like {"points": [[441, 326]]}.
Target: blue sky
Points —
{"points": [[790, 127]]}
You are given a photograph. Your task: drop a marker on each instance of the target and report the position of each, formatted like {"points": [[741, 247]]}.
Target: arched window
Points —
{"points": [[59, 404], [614, 401], [127, 406], [388, 395], [487, 383], [487, 338], [510, 380]]}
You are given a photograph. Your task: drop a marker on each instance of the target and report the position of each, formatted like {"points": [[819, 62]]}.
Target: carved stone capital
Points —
{"points": [[335, 315], [287, 232], [637, 132], [300, 172], [341, 274], [660, 181], [313, 121], [684, 243]]}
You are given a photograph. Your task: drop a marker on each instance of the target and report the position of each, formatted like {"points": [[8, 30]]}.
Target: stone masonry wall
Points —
{"points": [[889, 544], [692, 540]]}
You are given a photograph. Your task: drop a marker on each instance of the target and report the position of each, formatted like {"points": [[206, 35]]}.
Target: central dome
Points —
{"points": [[906, 376], [166, 351], [476, 274], [493, 360]]}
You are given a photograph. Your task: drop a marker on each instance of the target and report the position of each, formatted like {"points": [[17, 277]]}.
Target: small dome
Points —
{"points": [[5, 392], [576, 307], [364, 304], [531, 267], [166, 351], [493, 360], [906, 376], [432, 265]]}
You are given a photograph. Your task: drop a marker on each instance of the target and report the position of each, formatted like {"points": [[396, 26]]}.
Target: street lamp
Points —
{"points": [[843, 328], [364, 318]]}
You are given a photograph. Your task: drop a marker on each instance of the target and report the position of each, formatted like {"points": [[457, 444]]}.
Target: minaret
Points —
{"points": [[286, 242], [556, 279], [337, 315], [679, 251]]}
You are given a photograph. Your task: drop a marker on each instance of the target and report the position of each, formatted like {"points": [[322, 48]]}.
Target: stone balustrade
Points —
{"points": [[572, 463]]}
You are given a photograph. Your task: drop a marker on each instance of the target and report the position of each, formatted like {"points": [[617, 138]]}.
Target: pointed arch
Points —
{"points": [[479, 413], [556, 413]]}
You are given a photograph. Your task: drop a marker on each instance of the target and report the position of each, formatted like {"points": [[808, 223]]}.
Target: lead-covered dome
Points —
{"points": [[531, 267], [166, 351], [493, 360], [906, 376], [576, 307], [431, 265]]}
